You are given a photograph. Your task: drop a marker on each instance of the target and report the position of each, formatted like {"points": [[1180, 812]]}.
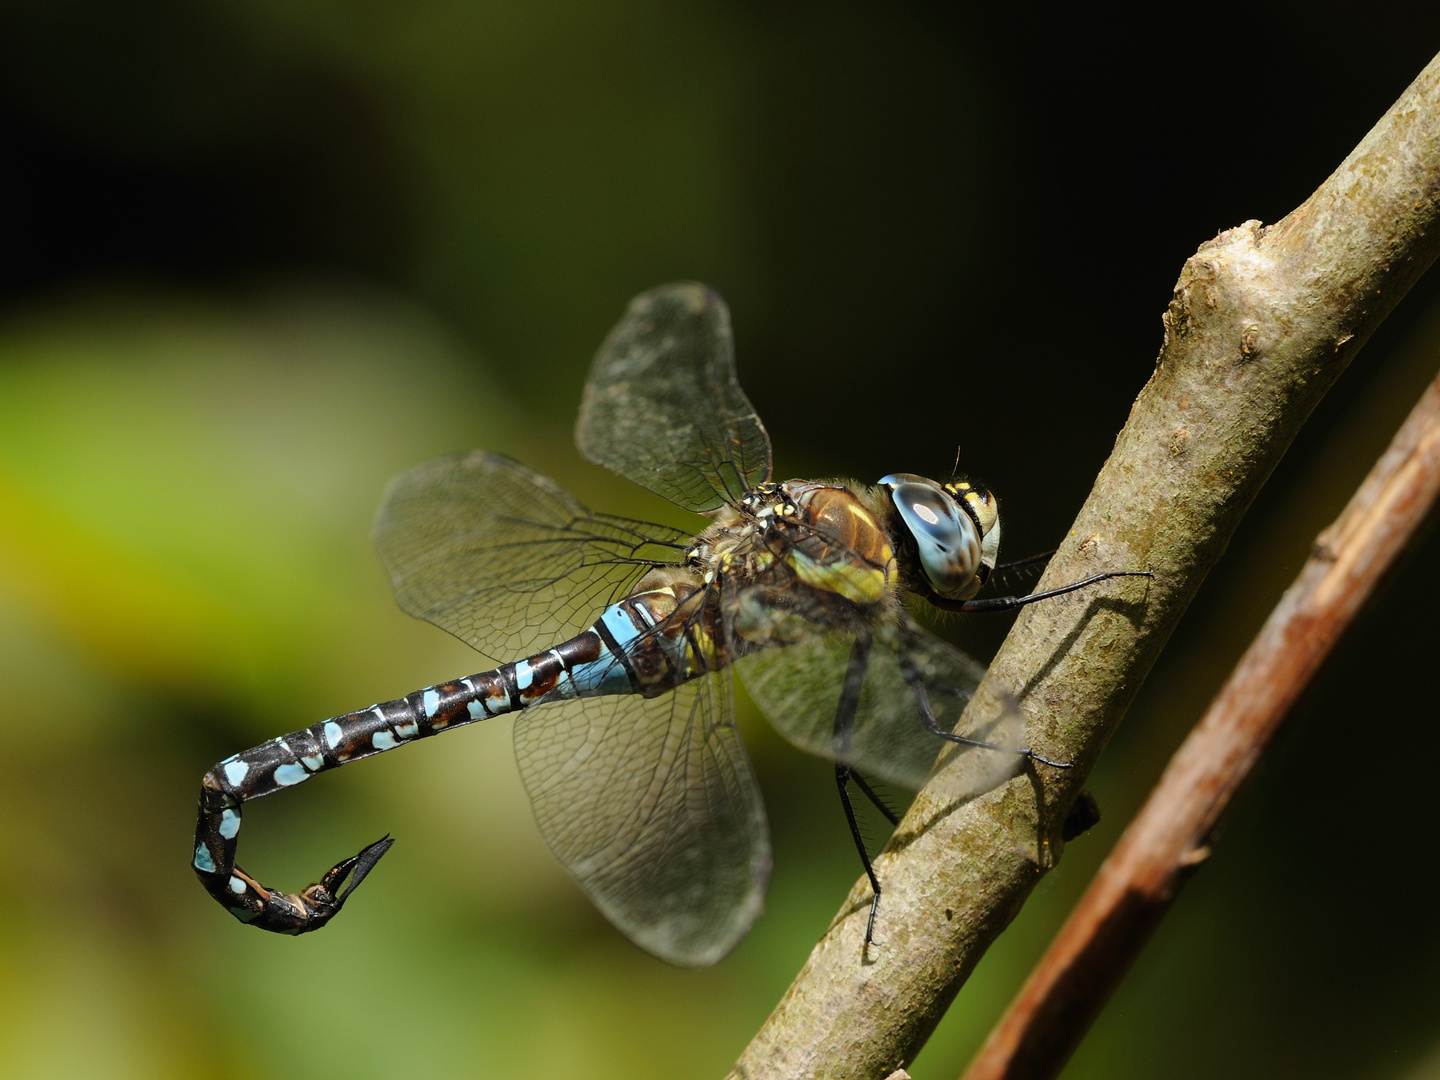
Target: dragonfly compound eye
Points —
{"points": [[947, 539]]}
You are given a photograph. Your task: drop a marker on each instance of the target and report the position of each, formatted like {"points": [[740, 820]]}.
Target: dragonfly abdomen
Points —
{"points": [[294, 758], [634, 647]]}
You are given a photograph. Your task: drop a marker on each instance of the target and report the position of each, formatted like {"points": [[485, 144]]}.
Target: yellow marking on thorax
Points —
{"points": [[860, 580], [856, 582]]}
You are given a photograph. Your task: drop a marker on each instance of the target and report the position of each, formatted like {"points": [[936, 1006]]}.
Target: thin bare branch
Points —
{"points": [[1262, 322], [1172, 834]]}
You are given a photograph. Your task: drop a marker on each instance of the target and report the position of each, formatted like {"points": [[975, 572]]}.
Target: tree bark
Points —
{"points": [[1262, 322], [1171, 835]]}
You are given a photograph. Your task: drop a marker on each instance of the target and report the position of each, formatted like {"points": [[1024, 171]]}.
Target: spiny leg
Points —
{"points": [[916, 682], [1005, 576], [842, 780], [1028, 561], [994, 604], [870, 794], [1010, 603], [844, 729]]}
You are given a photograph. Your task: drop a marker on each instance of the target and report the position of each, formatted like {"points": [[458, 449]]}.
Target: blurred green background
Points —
{"points": [[260, 257]]}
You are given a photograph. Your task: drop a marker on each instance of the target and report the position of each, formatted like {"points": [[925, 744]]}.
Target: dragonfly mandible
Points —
{"points": [[628, 634]]}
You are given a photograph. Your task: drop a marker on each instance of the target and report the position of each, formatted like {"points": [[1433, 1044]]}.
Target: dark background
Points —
{"points": [[259, 258]]}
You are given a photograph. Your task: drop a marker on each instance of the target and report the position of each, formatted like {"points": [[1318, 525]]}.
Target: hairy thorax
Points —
{"points": [[788, 556]]}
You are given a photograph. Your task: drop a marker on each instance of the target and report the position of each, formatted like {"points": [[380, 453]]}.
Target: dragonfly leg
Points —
{"points": [[1006, 577], [843, 776], [922, 699], [844, 729], [1010, 603], [1021, 564], [870, 794]]}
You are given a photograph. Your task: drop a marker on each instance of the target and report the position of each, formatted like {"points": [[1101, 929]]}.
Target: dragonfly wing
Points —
{"points": [[502, 557], [798, 687], [652, 807], [663, 408]]}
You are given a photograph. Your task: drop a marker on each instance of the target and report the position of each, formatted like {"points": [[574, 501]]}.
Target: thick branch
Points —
{"points": [[1172, 833], [1261, 324]]}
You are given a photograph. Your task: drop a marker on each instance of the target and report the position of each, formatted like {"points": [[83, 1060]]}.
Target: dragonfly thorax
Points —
{"points": [[819, 536]]}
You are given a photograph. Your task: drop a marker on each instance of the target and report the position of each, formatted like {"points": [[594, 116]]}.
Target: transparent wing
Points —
{"points": [[798, 687], [663, 408], [652, 807], [504, 559]]}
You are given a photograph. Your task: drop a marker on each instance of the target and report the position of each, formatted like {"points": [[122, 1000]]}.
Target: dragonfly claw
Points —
{"points": [[319, 903], [1033, 756], [355, 867], [294, 913]]}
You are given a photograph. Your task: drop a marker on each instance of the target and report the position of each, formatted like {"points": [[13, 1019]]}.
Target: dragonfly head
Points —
{"points": [[955, 528]]}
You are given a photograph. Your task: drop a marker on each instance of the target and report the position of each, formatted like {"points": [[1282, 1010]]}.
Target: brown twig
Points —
{"points": [[1262, 323], [1171, 835]]}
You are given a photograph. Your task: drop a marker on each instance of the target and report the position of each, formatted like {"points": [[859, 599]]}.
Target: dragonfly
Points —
{"points": [[628, 633]]}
